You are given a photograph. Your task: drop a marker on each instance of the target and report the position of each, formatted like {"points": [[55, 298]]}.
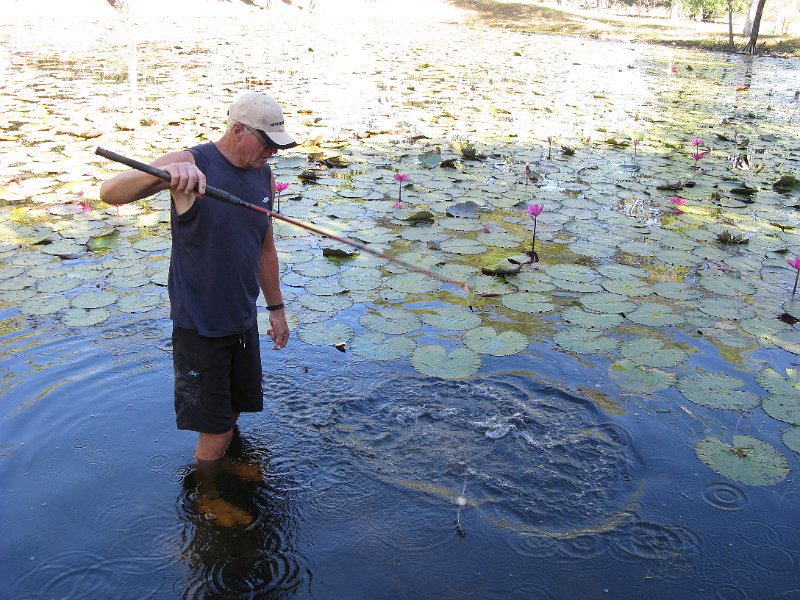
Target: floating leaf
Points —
{"points": [[655, 315], [791, 437], [80, 317], [43, 305], [392, 321], [717, 390], [413, 283], [606, 302], [585, 341], [437, 362], [652, 353], [96, 299], [325, 333], [631, 376], [485, 340], [577, 316], [528, 302], [451, 318], [748, 461], [375, 346]]}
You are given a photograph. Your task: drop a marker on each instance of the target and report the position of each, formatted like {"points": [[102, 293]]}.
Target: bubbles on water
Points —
{"points": [[533, 460]]}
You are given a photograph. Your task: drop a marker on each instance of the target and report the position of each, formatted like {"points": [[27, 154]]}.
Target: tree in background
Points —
{"points": [[750, 48]]}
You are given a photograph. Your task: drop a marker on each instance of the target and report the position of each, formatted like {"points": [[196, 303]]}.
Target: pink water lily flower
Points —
{"points": [[698, 142], [678, 200], [279, 187], [795, 264], [697, 156], [398, 204], [535, 209], [401, 178]]}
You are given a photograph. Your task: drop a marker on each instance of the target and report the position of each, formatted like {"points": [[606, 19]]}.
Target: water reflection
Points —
{"points": [[237, 527]]}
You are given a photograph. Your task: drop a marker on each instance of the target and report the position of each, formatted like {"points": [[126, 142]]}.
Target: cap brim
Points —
{"points": [[280, 140]]}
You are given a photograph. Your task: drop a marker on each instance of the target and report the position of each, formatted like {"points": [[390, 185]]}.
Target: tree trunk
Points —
{"points": [[730, 25], [750, 48]]}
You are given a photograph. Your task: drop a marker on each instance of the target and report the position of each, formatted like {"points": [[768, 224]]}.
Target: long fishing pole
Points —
{"points": [[223, 196]]}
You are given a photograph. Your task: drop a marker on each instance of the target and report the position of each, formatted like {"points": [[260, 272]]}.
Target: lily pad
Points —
{"points": [[717, 390], [391, 321], [590, 319], [485, 340], [791, 437], [81, 317], [652, 353], [748, 461], [585, 341], [528, 302], [375, 346], [435, 361], [43, 305], [325, 333], [631, 376], [606, 302], [651, 314], [96, 299], [451, 318]]}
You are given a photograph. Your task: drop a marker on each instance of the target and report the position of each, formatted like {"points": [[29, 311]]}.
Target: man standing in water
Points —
{"points": [[221, 257]]}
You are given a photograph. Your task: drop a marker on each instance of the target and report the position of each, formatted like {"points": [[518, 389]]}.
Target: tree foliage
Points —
{"points": [[708, 9]]}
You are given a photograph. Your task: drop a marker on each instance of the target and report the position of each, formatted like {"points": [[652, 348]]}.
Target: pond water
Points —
{"points": [[615, 421]]}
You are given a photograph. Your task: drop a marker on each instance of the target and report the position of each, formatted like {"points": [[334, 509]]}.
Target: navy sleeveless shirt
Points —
{"points": [[216, 246]]}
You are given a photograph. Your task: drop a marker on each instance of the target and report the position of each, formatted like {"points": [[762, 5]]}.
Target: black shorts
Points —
{"points": [[215, 378]]}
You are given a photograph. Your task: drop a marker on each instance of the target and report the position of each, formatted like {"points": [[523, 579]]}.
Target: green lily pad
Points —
{"points": [[413, 283], [324, 304], [453, 318], [375, 346], [96, 299], [717, 390], [81, 317], [727, 285], [325, 333], [676, 290], [140, 303], [725, 309], [748, 461], [485, 340], [652, 353], [606, 302], [791, 437], [435, 361], [651, 314], [585, 341], [43, 305], [531, 281], [528, 302], [593, 320], [360, 278], [316, 268], [391, 321], [463, 246], [630, 376], [153, 244], [575, 273]]}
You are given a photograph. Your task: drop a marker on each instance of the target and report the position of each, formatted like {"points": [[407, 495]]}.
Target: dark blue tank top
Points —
{"points": [[213, 272]]}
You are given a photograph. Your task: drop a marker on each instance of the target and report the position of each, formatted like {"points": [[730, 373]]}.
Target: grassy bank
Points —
{"points": [[608, 24]]}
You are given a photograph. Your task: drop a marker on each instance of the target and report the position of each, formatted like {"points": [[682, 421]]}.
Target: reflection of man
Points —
{"points": [[242, 547], [222, 256]]}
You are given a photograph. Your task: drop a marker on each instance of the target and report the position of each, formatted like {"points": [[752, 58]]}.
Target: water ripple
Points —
{"points": [[725, 495]]}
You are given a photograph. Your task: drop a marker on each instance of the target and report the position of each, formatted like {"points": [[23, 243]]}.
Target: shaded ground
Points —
{"points": [[606, 24]]}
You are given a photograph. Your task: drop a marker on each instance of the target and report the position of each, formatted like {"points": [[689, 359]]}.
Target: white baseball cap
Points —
{"points": [[260, 111]]}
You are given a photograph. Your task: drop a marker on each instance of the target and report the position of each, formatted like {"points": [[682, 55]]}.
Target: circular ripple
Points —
{"points": [[729, 592], [158, 462], [725, 496], [652, 541], [71, 574]]}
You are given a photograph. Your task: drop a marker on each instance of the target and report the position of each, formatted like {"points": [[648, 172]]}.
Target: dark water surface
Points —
{"points": [[538, 478], [351, 479]]}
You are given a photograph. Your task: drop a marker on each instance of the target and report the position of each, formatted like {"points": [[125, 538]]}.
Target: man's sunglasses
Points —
{"points": [[262, 137]]}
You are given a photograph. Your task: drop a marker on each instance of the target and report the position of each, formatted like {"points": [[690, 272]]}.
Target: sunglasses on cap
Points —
{"points": [[262, 138]]}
